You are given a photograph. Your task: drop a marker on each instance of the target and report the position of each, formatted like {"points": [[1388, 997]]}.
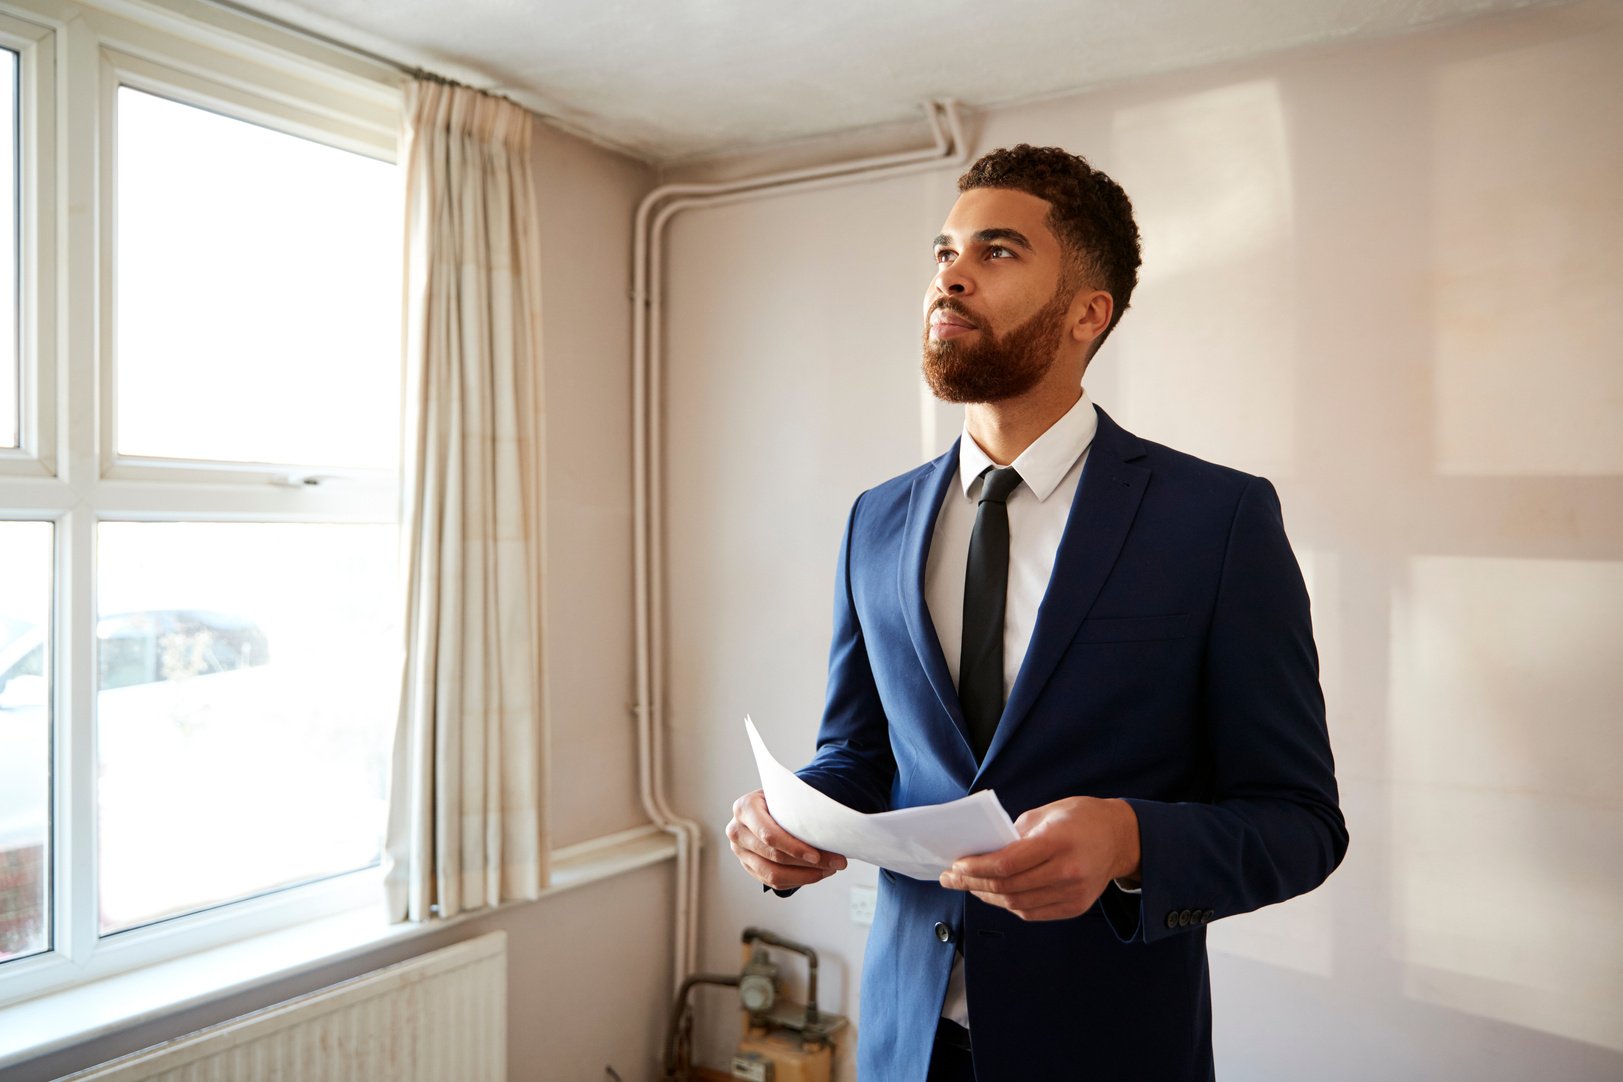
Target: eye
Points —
{"points": [[997, 251], [944, 255]]}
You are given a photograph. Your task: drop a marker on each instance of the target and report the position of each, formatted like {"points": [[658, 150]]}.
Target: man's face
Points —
{"points": [[995, 312]]}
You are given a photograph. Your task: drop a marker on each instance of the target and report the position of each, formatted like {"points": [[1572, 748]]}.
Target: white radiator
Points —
{"points": [[441, 1017]]}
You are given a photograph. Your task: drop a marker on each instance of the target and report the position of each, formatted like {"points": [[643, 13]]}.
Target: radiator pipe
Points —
{"points": [[647, 462]]}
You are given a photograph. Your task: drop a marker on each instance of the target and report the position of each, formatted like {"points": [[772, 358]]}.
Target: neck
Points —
{"points": [[1005, 429]]}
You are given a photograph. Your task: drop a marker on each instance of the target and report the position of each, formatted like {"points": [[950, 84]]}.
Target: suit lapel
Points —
{"points": [[1102, 512], [929, 488]]}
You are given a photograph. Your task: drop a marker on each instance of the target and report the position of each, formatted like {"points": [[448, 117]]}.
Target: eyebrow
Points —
{"points": [[987, 236]]}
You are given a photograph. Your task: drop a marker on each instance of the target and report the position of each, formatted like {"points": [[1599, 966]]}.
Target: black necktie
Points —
{"points": [[986, 583]]}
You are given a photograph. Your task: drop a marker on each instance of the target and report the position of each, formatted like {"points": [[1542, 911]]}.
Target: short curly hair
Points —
{"points": [[1089, 213]]}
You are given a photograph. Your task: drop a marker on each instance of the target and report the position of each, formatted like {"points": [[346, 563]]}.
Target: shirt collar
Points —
{"points": [[1045, 463]]}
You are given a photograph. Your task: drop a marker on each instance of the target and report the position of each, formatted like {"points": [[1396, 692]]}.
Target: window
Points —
{"points": [[9, 375], [25, 736], [199, 614], [243, 711], [258, 292]]}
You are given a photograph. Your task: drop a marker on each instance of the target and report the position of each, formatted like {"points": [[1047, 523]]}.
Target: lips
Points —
{"points": [[946, 323]]}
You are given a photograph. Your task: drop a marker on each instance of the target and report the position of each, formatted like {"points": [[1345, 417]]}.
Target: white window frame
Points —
{"points": [[73, 59], [34, 455]]}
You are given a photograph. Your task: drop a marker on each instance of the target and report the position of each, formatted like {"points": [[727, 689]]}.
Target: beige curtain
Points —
{"points": [[466, 825]]}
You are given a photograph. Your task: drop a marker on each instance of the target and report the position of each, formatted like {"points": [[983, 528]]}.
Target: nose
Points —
{"points": [[950, 280]]}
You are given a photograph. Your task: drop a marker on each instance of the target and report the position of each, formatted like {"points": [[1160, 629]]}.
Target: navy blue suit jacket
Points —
{"points": [[1172, 664]]}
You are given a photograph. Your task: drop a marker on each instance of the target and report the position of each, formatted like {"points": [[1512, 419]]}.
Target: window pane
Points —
{"points": [[25, 737], [9, 375], [258, 293], [248, 677]]}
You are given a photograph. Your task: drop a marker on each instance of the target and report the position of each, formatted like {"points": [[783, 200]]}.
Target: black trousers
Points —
{"points": [[950, 1060]]}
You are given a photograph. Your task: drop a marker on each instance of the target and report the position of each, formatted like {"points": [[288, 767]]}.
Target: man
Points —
{"points": [[1112, 635]]}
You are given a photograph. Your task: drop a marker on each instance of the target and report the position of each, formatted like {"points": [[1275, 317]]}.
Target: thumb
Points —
{"points": [[1031, 821]]}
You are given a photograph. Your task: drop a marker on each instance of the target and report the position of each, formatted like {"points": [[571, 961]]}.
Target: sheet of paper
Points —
{"points": [[919, 842]]}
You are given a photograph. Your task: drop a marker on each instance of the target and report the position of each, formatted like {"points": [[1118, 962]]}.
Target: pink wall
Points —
{"points": [[1385, 275]]}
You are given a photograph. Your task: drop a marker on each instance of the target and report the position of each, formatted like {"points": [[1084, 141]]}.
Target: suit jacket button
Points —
{"points": [[1209, 916], [942, 932], [1172, 919], [1183, 918]]}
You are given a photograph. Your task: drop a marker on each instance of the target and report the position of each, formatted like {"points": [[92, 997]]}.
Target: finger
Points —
{"points": [[744, 840], [1047, 874], [800, 855], [1013, 859], [753, 827], [1032, 818], [745, 843], [784, 847], [778, 844], [781, 876]]}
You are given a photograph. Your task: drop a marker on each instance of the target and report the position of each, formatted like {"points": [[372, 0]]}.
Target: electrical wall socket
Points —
{"points": [[862, 904]]}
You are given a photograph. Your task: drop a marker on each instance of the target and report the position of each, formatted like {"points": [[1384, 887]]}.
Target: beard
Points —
{"points": [[995, 367]]}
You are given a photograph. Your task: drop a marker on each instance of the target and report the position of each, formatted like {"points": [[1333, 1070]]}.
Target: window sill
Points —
{"points": [[59, 1020]]}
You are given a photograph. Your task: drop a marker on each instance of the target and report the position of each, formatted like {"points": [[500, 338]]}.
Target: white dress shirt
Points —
{"points": [[1039, 506]]}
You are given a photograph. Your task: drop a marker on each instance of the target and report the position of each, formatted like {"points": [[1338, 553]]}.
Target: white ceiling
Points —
{"points": [[670, 80]]}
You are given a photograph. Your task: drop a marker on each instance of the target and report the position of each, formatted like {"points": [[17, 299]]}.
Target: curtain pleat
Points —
{"points": [[466, 808]]}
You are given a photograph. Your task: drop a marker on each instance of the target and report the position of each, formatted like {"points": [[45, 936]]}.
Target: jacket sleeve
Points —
{"points": [[1271, 827], [853, 763]]}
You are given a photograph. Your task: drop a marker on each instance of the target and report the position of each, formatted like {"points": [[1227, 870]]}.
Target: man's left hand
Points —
{"points": [[1068, 852]]}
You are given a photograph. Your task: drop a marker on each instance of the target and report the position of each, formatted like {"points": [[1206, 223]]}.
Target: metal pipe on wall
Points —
{"points": [[647, 436]]}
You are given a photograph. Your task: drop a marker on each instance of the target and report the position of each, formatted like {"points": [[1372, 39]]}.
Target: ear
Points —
{"points": [[1089, 315]]}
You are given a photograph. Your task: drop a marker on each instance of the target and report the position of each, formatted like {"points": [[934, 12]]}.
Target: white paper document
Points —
{"points": [[919, 842]]}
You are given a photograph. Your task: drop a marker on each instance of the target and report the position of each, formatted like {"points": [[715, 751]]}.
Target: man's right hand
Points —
{"points": [[771, 854]]}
